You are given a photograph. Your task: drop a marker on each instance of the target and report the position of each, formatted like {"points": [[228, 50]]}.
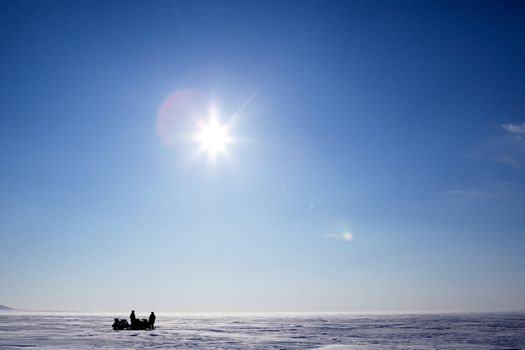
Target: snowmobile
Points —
{"points": [[122, 324]]}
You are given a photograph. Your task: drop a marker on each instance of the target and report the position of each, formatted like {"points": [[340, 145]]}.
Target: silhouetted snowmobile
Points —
{"points": [[139, 325], [119, 325]]}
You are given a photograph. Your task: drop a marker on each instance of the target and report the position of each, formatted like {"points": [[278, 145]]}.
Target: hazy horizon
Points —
{"points": [[282, 156], [145, 312]]}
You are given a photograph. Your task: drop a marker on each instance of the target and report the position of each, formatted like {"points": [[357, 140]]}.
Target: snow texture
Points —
{"points": [[495, 331]]}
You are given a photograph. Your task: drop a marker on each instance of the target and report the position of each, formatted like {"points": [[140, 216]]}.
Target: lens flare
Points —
{"points": [[347, 236], [177, 113]]}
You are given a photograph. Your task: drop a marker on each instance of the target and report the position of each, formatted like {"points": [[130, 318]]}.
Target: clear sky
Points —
{"points": [[371, 156]]}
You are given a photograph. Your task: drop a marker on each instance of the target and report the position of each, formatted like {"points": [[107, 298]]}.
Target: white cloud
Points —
{"points": [[518, 129], [465, 192], [507, 148], [483, 190]]}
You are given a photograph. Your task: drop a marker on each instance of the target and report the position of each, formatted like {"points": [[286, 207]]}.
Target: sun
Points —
{"points": [[213, 137]]}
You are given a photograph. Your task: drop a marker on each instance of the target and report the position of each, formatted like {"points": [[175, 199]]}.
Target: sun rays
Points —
{"points": [[213, 137]]}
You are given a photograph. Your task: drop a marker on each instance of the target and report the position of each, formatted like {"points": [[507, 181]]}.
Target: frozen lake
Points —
{"points": [[502, 331]]}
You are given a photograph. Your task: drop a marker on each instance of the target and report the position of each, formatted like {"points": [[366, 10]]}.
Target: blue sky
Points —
{"points": [[400, 122]]}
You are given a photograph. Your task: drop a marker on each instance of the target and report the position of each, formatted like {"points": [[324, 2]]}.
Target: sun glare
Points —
{"points": [[213, 137]]}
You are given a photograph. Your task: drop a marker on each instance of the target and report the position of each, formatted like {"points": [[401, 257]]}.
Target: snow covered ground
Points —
{"points": [[502, 331]]}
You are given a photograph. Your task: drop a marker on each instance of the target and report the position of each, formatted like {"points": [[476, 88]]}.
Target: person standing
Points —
{"points": [[151, 320], [132, 318]]}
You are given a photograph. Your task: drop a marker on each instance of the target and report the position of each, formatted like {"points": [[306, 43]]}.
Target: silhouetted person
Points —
{"points": [[132, 318], [151, 320]]}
